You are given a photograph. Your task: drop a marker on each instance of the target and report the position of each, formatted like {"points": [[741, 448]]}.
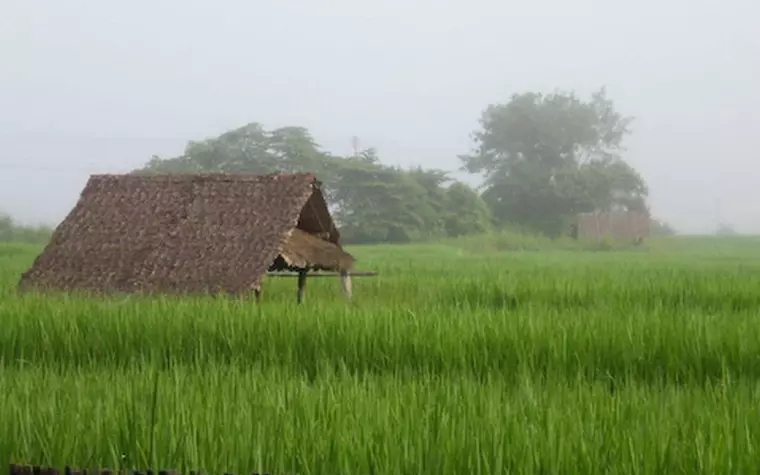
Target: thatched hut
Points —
{"points": [[627, 226], [190, 233]]}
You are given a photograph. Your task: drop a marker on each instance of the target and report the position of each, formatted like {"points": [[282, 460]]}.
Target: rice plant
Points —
{"points": [[451, 361]]}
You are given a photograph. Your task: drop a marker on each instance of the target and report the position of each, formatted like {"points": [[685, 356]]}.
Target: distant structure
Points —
{"points": [[190, 233], [629, 226]]}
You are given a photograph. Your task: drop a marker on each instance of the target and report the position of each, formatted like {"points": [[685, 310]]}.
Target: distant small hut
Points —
{"points": [[628, 226], [190, 233]]}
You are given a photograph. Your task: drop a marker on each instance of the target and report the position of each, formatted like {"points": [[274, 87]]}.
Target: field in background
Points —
{"points": [[458, 358]]}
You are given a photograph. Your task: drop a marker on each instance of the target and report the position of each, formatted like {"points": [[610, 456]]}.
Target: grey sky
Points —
{"points": [[100, 86]]}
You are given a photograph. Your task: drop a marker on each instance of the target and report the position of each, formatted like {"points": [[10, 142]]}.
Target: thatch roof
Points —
{"points": [[187, 233], [306, 251]]}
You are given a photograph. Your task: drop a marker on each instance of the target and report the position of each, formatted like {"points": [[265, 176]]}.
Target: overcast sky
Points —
{"points": [[100, 86]]}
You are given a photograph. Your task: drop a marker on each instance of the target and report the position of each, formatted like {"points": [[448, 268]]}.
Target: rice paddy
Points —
{"points": [[452, 360]]}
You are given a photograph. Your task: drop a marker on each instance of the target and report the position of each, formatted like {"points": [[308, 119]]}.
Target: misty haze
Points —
{"points": [[99, 87]]}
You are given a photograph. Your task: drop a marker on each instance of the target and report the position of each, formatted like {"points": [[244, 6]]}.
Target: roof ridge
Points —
{"points": [[220, 175]]}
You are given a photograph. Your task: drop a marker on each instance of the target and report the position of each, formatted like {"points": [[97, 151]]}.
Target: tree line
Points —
{"points": [[12, 231], [543, 158]]}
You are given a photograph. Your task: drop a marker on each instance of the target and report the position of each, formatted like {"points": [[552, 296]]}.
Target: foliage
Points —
{"points": [[449, 362], [11, 231], [372, 202], [725, 229], [661, 228], [545, 158], [467, 213]]}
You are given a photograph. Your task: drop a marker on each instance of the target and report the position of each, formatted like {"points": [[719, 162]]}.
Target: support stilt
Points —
{"points": [[301, 284], [345, 279]]}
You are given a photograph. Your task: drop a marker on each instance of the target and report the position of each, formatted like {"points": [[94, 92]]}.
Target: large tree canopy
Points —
{"points": [[545, 158]]}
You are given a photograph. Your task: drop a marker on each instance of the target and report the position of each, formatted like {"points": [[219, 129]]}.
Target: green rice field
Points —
{"points": [[456, 359]]}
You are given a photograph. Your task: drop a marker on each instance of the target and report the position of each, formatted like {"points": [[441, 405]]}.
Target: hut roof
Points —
{"points": [[187, 233], [305, 251]]}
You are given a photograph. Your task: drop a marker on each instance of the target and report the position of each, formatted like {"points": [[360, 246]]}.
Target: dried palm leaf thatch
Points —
{"points": [[305, 251], [183, 233]]}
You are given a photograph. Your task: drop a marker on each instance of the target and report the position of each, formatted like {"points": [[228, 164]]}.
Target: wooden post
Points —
{"points": [[324, 274], [345, 279], [301, 284]]}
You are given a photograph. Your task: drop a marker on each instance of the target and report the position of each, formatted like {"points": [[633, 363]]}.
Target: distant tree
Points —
{"points": [[11, 231], [661, 228], [431, 199], [376, 203], [547, 157], [250, 149], [466, 213], [725, 229], [6, 227]]}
